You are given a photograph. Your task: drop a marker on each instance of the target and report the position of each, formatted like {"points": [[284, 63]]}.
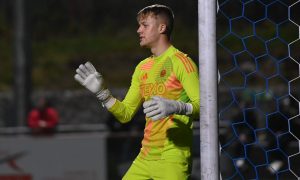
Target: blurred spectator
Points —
{"points": [[43, 118]]}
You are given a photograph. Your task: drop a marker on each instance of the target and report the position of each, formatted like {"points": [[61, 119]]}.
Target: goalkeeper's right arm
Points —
{"points": [[88, 77]]}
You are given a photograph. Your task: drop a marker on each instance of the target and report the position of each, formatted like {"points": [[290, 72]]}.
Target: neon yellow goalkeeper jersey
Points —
{"points": [[172, 75]]}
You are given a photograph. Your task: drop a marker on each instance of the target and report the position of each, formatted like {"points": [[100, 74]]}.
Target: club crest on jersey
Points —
{"points": [[145, 77], [163, 73]]}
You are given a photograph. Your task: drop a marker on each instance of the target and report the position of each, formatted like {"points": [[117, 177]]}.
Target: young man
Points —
{"points": [[167, 86]]}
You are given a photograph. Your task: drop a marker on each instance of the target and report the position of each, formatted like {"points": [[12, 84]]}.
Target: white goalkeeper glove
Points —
{"points": [[88, 77], [159, 108]]}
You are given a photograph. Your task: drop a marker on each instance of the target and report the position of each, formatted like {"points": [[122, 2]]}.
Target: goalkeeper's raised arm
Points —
{"points": [[87, 76]]}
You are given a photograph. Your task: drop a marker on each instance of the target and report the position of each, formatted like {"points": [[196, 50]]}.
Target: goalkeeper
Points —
{"points": [[166, 85]]}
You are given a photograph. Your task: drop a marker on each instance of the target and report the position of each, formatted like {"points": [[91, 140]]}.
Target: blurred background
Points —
{"points": [[41, 45], [43, 42]]}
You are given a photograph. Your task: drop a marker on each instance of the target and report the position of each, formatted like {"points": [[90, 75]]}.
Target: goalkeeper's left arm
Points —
{"points": [[87, 76]]}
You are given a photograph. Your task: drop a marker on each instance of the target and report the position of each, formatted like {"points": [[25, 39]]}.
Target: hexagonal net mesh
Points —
{"points": [[259, 92]]}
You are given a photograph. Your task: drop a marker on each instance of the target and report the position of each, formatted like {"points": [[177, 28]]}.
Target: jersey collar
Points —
{"points": [[168, 52]]}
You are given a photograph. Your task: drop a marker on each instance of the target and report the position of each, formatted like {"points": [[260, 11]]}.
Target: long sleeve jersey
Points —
{"points": [[172, 75]]}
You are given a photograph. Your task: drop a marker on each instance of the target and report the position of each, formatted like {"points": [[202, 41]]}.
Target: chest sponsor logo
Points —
{"points": [[150, 89]]}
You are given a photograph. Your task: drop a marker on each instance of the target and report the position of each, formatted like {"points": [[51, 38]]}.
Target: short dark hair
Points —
{"points": [[162, 11]]}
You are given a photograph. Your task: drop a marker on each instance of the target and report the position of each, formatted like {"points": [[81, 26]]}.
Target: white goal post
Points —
{"points": [[209, 145]]}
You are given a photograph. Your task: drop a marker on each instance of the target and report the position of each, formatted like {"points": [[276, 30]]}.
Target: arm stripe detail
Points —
{"points": [[189, 67], [184, 62]]}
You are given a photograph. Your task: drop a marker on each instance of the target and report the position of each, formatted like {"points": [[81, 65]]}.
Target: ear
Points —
{"points": [[162, 28]]}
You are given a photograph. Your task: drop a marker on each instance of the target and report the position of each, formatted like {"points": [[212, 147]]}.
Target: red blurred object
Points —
{"points": [[48, 115], [43, 118]]}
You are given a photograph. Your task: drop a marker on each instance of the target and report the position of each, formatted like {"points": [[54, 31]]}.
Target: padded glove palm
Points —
{"points": [[88, 77]]}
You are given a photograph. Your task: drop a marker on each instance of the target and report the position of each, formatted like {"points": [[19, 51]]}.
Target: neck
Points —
{"points": [[160, 48]]}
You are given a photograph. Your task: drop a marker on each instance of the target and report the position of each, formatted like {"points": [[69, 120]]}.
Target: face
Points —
{"points": [[149, 31]]}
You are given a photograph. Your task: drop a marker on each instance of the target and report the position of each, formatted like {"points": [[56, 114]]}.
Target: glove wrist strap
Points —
{"points": [[104, 95], [184, 108], [188, 108]]}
